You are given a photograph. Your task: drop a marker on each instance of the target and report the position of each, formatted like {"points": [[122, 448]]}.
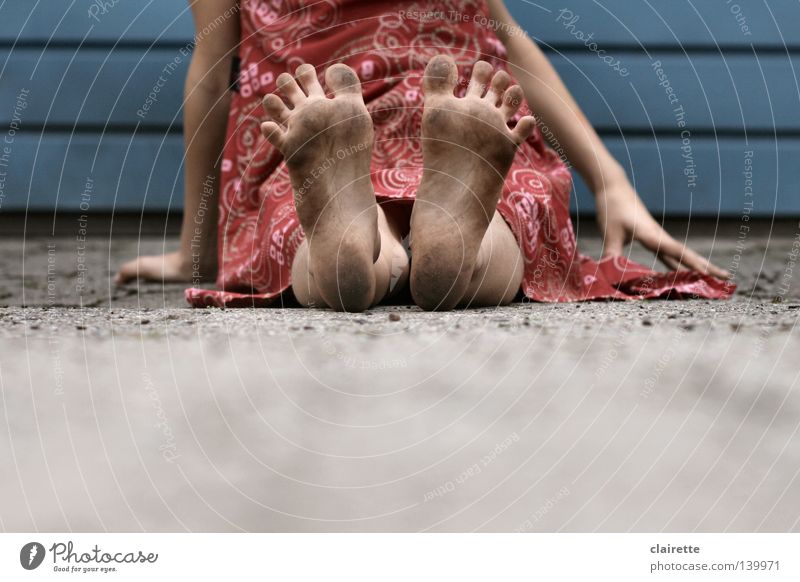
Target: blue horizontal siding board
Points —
{"points": [[127, 173], [694, 23], [658, 168], [706, 92], [95, 21], [723, 93], [651, 23], [98, 86], [144, 173]]}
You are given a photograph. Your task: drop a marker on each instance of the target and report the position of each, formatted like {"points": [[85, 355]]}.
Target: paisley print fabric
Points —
{"points": [[388, 43]]}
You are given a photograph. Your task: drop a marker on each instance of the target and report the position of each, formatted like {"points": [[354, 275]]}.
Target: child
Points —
{"points": [[423, 140]]}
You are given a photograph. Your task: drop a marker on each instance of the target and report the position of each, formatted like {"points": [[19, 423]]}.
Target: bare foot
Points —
{"points": [[327, 144], [468, 149], [169, 268]]}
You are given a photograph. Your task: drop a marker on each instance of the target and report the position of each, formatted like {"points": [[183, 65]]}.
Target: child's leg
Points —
{"points": [[462, 251], [327, 144], [390, 270]]}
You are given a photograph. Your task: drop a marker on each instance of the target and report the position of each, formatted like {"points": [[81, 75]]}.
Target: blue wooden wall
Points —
{"points": [[696, 98]]}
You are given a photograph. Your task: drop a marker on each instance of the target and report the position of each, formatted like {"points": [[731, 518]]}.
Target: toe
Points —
{"points": [[481, 73], [342, 80], [512, 99], [276, 108], [441, 75], [307, 76], [500, 83], [274, 133], [289, 87], [523, 129]]}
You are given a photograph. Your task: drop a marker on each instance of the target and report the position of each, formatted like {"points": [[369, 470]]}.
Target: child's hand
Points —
{"points": [[623, 218], [169, 268]]}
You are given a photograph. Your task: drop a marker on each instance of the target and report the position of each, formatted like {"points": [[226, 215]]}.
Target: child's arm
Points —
{"points": [[205, 115], [621, 214]]}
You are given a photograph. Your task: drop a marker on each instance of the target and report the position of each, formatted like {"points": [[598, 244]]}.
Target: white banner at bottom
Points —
{"points": [[400, 557]]}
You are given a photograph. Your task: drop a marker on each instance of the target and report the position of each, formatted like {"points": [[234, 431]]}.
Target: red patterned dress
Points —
{"points": [[388, 43]]}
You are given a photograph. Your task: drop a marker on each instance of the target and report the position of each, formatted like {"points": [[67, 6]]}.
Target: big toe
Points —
{"points": [[341, 79], [441, 75]]}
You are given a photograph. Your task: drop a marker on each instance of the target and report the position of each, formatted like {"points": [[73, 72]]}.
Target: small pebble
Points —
{"points": [[394, 317]]}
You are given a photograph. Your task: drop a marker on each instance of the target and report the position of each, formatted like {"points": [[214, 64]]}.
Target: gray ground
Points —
{"points": [[125, 410]]}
